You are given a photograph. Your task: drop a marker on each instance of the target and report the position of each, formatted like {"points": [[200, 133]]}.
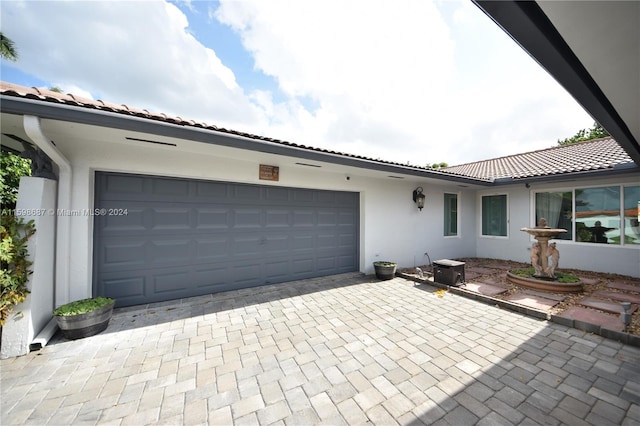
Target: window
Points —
{"points": [[494, 215], [631, 214], [600, 215], [450, 215], [556, 207]]}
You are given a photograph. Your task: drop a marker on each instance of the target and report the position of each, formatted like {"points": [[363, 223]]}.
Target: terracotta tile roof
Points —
{"points": [[44, 95], [591, 155], [596, 154]]}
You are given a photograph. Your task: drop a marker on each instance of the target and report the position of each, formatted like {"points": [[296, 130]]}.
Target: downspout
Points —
{"points": [[63, 229]]}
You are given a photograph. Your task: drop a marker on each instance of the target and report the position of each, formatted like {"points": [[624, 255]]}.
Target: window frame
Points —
{"points": [[574, 240], [446, 211], [481, 215]]}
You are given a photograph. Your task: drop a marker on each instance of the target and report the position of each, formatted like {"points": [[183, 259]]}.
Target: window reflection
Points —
{"points": [[556, 207], [631, 214], [598, 215]]}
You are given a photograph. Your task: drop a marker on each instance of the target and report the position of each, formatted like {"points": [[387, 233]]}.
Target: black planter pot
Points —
{"points": [[385, 270], [85, 325]]}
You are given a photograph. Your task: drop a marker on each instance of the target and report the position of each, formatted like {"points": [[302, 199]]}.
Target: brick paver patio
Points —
{"points": [[345, 349]]}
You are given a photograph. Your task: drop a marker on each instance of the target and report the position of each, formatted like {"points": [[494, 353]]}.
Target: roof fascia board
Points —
{"points": [[96, 117], [529, 27], [623, 170]]}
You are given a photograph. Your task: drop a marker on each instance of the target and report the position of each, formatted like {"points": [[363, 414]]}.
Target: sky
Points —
{"points": [[412, 81]]}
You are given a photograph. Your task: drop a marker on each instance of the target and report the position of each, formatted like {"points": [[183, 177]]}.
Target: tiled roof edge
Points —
{"points": [[45, 95], [552, 148]]}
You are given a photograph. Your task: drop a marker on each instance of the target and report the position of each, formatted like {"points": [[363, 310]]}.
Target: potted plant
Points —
{"points": [[84, 318], [385, 270]]}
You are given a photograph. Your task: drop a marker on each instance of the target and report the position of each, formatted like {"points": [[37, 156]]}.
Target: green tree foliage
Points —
{"points": [[595, 132], [438, 165], [14, 273], [7, 48], [12, 168]]}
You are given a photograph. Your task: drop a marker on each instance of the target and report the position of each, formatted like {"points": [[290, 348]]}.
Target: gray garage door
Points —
{"points": [[164, 238]]}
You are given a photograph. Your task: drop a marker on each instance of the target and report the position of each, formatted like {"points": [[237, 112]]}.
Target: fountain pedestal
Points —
{"points": [[542, 236], [544, 277]]}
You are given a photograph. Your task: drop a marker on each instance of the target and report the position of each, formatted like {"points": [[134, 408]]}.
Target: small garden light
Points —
{"points": [[418, 197]]}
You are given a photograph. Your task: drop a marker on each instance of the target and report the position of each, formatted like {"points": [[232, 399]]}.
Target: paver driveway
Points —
{"points": [[345, 349]]}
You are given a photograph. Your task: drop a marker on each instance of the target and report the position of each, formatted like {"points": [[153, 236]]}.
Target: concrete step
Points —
{"points": [[532, 301], [486, 289], [605, 305], [623, 297], [624, 286], [546, 295], [586, 319]]}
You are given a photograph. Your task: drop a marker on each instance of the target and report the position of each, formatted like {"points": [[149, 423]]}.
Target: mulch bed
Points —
{"points": [[595, 284]]}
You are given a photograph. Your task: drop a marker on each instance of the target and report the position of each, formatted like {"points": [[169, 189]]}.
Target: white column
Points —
{"points": [[37, 201]]}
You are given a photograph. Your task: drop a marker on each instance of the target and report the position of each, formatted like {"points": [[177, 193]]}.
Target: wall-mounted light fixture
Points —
{"points": [[418, 197]]}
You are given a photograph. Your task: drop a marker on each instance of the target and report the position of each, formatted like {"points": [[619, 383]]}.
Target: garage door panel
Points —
{"points": [[326, 263], [304, 218], [275, 194], [303, 242], [277, 270], [125, 288], [247, 218], [212, 249], [213, 218], [129, 255], [211, 190], [347, 218], [247, 273], [327, 218], [133, 220], [326, 197], [302, 266], [170, 187], [327, 241], [247, 192], [247, 246], [211, 276], [168, 252], [303, 196], [347, 240], [123, 184], [185, 237], [276, 243], [176, 218], [277, 218], [170, 281]]}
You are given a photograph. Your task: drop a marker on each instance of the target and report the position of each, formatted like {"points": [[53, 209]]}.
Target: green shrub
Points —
{"points": [[82, 306], [560, 276], [12, 168], [14, 235], [384, 264], [566, 278]]}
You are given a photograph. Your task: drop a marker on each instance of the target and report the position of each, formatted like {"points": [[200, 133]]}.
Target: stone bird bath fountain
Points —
{"points": [[544, 259]]}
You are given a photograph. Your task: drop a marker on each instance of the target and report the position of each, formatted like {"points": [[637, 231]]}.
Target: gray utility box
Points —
{"points": [[449, 272]]}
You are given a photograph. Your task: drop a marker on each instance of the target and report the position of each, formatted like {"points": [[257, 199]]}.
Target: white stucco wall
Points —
{"points": [[36, 201], [585, 256], [391, 226]]}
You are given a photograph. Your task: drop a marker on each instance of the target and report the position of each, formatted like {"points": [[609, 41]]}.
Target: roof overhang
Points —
{"points": [[19, 106], [592, 48]]}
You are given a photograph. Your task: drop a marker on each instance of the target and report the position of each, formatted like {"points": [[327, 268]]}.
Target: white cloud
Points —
{"points": [[402, 81], [418, 81], [135, 53]]}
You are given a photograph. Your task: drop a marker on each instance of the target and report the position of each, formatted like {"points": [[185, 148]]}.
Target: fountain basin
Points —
{"points": [[543, 232], [545, 284]]}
